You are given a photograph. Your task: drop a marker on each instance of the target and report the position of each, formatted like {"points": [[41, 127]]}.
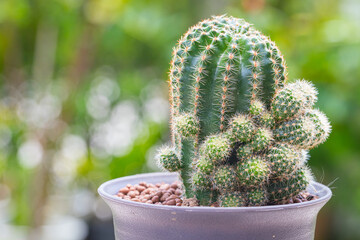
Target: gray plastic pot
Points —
{"points": [[140, 221]]}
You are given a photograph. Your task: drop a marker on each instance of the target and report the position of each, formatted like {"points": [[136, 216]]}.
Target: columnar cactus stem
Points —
{"points": [[240, 134]]}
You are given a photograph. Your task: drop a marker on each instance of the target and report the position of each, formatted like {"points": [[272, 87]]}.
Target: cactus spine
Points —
{"points": [[239, 132]]}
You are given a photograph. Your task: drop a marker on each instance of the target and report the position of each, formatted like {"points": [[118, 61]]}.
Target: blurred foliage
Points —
{"points": [[84, 93]]}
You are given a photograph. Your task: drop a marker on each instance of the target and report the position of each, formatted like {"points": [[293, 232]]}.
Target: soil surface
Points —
{"points": [[171, 194]]}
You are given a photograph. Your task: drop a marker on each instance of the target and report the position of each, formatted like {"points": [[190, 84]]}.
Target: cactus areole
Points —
{"points": [[240, 132]]}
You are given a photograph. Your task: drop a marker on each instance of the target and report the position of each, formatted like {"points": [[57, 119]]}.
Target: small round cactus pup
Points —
{"points": [[225, 178], [304, 157], [256, 108], [244, 152], [201, 181], [266, 120], [232, 199], [297, 131], [322, 127], [253, 172], [262, 139], [241, 129], [293, 98], [205, 165], [168, 159], [186, 125], [307, 90], [284, 189], [283, 159], [256, 196], [216, 148], [287, 103], [306, 131]]}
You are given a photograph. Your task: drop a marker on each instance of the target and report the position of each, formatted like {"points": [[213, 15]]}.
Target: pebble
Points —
{"points": [[155, 199], [164, 197], [124, 190], [170, 202], [301, 197]]}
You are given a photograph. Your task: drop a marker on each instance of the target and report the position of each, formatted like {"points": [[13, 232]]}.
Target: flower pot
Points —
{"points": [[139, 221]]}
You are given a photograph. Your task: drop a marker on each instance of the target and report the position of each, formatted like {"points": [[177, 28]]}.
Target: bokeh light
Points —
{"points": [[84, 99]]}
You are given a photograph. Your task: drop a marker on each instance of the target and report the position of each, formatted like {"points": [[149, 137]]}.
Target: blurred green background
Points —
{"points": [[83, 99]]}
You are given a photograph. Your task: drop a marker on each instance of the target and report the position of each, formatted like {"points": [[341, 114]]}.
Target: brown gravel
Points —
{"points": [[160, 193], [302, 197], [171, 194], [190, 202]]}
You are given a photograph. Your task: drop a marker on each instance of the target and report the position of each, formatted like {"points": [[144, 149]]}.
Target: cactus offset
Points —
{"points": [[232, 199], [257, 196], [240, 134]]}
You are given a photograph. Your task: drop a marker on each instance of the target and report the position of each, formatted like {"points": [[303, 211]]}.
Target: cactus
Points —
{"points": [[283, 189], [253, 172], [232, 199], [256, 196], [225, 178], [168, 159], [242, 128], [283, 160], [240, 133]]}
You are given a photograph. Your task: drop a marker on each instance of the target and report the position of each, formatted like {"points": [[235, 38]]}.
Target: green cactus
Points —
{"points": [[253, 172], [257, 196], [308, 91], [283, 160], [232, 199], [201, 181], [241, 128], [225, 178], [290, 186], [205, 165], [262, 138], [240, 134], [186, 125], [168, 159], [216, 148], [244, 152], [293, 98], [256, 108], [267, 120], [305, 131]]}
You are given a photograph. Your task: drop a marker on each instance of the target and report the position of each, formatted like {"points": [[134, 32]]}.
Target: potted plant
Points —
{"points": [[240, 139]]}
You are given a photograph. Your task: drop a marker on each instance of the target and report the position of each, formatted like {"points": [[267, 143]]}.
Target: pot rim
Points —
{"points": [[115, 199]]}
